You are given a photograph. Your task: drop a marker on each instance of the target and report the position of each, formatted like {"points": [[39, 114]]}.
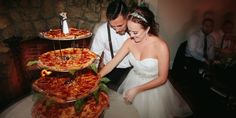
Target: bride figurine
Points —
{"points": [[64, 24]]}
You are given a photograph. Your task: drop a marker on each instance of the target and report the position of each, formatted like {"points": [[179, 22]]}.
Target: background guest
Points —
{"points": [[200, 47], [224, 42]]}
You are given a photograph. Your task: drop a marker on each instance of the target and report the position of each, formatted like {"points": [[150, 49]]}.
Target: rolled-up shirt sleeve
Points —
{"points": [[98, 42]]}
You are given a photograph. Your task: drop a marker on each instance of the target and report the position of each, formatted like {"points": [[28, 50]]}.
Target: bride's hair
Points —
{"points": [[146, 18]]}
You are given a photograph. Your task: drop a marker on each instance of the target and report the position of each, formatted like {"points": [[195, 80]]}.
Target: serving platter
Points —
{"points": [[74, 34]]}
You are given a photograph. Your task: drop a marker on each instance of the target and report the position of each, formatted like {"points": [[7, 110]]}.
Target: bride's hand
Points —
{"points": [[130, 94]]}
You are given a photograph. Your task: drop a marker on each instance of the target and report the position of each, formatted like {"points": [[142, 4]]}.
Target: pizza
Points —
{"points": [[94, 109], [91, 109], [67, 89], [74, 33], [67, 59]]}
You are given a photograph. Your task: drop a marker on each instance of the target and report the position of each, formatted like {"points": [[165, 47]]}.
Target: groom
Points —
{"points": [[115, 31]]}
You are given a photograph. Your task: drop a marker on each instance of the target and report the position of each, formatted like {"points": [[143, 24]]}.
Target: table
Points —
{"points": [[222, 81], [117, 109]]}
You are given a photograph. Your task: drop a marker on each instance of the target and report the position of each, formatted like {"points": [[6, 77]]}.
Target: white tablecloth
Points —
{"points": [[117, 109]]}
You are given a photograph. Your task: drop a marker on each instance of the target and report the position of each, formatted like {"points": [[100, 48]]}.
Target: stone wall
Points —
{"points": [[26, 18]]}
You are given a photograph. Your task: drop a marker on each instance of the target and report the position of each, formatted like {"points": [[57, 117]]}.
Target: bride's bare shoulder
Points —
{"points": [[158, 40]]}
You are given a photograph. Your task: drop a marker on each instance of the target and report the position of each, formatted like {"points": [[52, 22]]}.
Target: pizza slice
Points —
{"points": [[74, 33], [67, 59], [91, 109]]}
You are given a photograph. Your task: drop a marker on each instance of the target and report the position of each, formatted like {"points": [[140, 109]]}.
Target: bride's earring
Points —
{"points": [[146, 32]]}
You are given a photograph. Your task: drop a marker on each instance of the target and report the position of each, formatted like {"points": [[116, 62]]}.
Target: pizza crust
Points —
{"points": [[67, 59], [91, 109], [64, 90], [74, 34]]}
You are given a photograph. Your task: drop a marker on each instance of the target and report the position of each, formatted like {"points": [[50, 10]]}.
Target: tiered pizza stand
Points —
{"points": [[70, 97]]}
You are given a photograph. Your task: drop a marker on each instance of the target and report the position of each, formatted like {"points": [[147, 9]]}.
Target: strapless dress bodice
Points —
{"points": [[147, 67], [159, 102]]}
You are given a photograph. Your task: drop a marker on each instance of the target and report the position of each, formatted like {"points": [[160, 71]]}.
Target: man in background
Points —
{"points": [[224, 39], [200, 47]]}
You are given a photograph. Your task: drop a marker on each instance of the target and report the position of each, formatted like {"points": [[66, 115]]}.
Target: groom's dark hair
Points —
{"points": [[116, 8]]}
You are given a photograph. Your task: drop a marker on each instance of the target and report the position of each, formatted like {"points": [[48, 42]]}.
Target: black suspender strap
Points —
{"points": [[109, 38]]}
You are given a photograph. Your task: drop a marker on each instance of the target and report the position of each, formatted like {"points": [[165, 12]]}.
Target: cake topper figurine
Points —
{"points": [[63, 23]]}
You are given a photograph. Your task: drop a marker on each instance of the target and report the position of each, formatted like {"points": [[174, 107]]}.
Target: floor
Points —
{"points": [[204, 102]]}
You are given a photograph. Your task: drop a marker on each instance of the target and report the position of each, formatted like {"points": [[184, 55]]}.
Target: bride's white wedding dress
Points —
{"points": [[161, 102]]}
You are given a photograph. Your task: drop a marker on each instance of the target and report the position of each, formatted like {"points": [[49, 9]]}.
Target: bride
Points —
{"points": [[147, 86]]}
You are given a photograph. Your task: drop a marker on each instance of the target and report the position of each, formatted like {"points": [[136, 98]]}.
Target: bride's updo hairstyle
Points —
{"points": [[146, 18]]}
